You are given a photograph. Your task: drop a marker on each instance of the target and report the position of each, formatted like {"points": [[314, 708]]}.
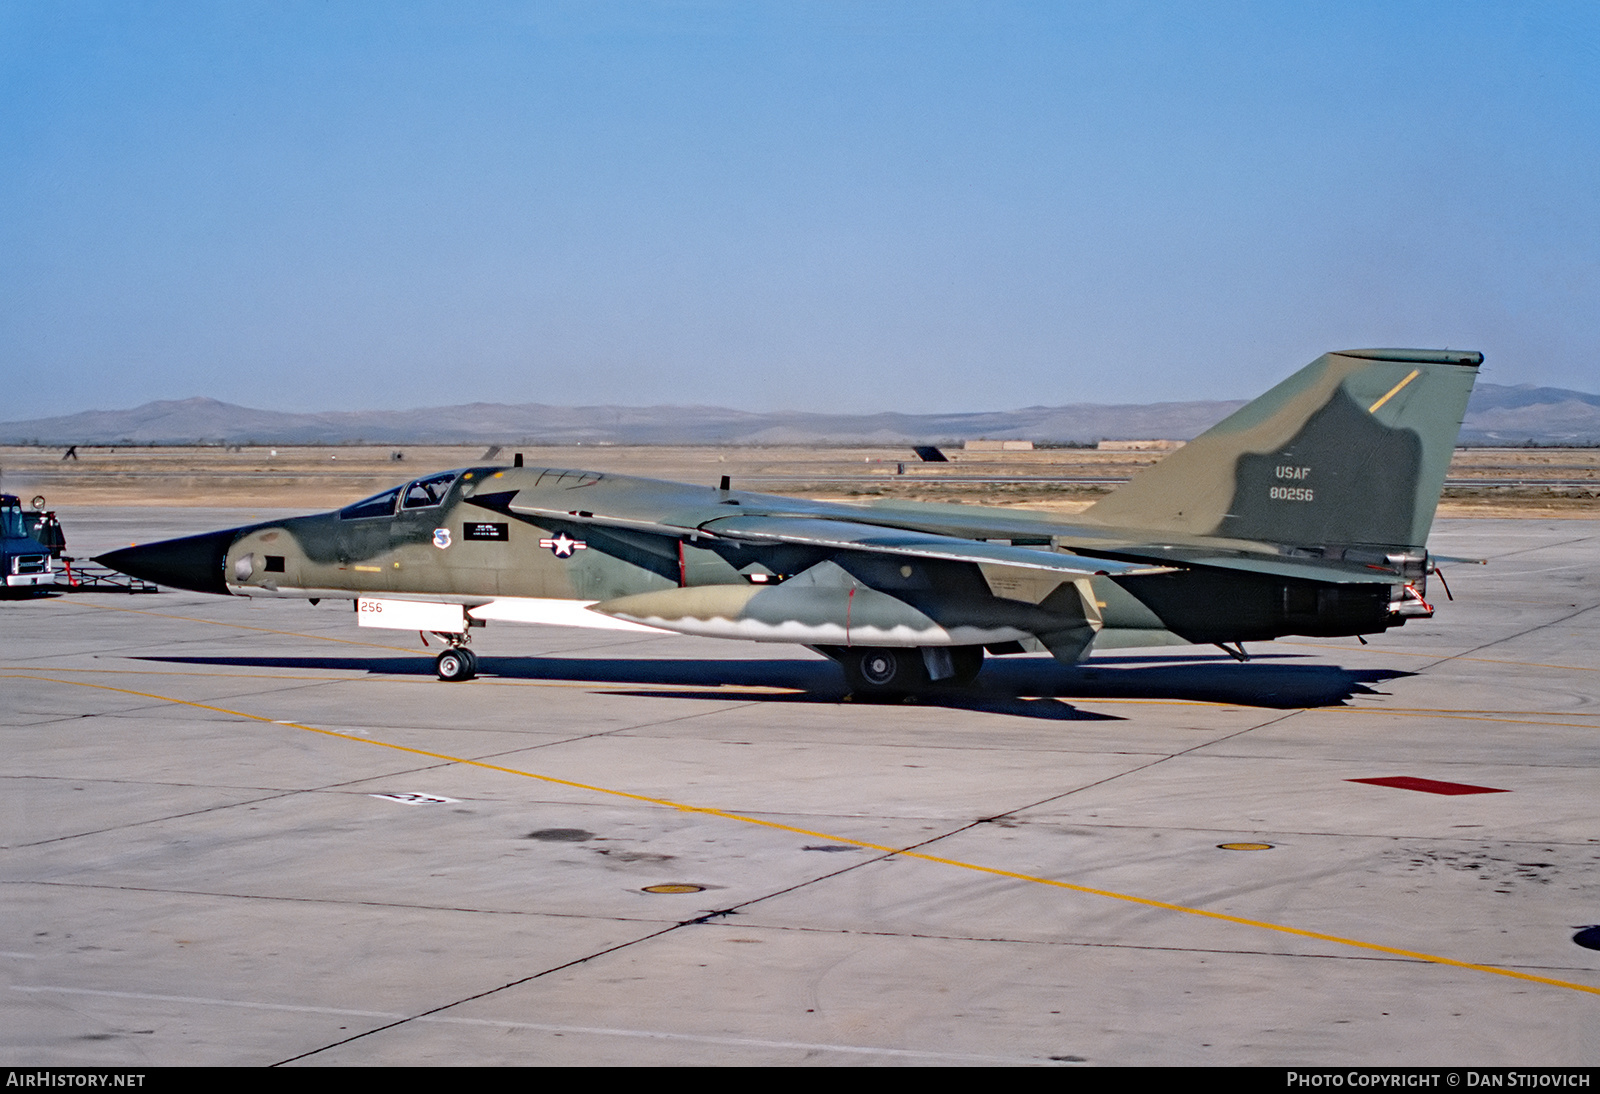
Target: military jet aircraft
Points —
{"points": [[1306, 512]]}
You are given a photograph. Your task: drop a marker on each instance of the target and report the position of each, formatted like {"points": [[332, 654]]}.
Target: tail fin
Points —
{"points": [[1351, 449]]}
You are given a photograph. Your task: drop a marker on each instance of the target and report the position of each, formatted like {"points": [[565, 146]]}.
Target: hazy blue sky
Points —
{"points": [[834, 206]]}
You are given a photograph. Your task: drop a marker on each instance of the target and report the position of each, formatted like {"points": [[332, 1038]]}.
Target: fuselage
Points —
{"points": [[1305, 512], [485, 537]]}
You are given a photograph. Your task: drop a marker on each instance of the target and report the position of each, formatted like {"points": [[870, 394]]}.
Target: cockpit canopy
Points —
{"points": [[428, 492], [424, 493]]}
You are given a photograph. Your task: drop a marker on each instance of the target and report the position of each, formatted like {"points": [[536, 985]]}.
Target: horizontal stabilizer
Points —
{"points": [[1335, 570]]}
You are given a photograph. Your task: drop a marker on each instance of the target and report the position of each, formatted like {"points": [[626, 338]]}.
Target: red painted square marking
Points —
{"points": [[1429, 786]]}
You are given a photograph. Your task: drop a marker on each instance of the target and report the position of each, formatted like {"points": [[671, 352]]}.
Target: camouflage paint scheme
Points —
{"points": [[1304, 513]]}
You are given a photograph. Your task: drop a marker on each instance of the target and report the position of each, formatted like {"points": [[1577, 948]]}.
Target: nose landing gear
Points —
{"points": [[456, 663]]}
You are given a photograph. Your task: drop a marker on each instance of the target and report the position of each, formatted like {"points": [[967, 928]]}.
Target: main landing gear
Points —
{"points": [[892, 671]]}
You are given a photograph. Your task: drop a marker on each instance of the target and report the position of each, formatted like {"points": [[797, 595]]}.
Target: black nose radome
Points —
{"points": [[194, 562]]}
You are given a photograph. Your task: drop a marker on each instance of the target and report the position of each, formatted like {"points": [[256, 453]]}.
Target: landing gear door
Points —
{"points": [[411, 615]]}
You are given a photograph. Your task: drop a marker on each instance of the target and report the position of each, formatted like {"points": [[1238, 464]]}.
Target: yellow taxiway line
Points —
{"points": [[992, 871]]}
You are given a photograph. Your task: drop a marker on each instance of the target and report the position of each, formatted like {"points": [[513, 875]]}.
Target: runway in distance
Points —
{"points": [[1306, 512]]}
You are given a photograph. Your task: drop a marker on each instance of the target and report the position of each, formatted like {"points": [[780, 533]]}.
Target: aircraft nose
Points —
{"points": [[193, 562]]}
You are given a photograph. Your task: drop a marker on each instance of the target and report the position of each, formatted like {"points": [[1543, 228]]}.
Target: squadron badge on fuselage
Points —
{"points": [[441, 538]]}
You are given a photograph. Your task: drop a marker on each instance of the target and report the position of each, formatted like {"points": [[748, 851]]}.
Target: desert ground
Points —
{"points": [[1488, 482]]}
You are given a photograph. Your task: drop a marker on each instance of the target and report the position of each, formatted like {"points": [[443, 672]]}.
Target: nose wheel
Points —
{"points": [[455, 664]]}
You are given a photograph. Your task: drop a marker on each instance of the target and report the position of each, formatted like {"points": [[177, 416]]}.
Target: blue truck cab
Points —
{"points": [[25, 563]]}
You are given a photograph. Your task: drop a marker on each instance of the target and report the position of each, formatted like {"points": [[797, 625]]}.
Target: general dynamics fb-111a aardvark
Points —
{"points": [[1304, 513]]}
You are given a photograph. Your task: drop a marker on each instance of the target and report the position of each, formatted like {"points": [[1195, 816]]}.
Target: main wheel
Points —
{"points": [[879, 668], [883, 671], [456, 664]]}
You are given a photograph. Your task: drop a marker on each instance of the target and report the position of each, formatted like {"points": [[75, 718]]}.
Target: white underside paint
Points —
{"points": [[559, 613], [833, 634], [576, 613]]}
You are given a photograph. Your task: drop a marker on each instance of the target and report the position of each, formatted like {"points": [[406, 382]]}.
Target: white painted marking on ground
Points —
{"points": [[598, 1031]]}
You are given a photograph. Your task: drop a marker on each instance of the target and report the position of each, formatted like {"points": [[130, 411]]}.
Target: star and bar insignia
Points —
{"points": [[563, 545]]}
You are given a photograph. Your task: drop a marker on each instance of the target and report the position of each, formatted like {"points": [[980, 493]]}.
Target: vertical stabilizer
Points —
{"points": [[1351, 449]]}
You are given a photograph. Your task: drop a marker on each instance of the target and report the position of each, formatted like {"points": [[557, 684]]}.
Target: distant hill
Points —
{"points": [[1496, 415]]}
